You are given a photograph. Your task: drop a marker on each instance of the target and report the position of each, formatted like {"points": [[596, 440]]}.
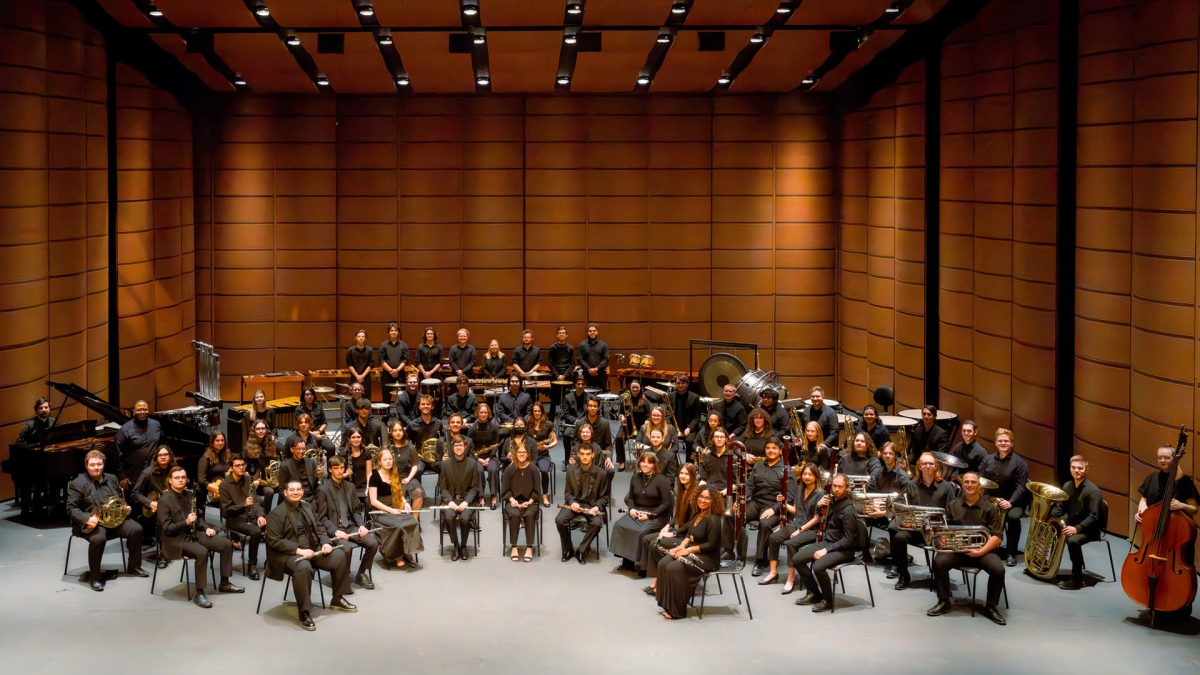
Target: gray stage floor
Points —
{"points": [[493, 615]]}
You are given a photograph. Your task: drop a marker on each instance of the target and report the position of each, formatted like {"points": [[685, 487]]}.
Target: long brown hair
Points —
{"points": [[210, 453], [767, 431], [685, 498], [266, 448], [393, 479]]}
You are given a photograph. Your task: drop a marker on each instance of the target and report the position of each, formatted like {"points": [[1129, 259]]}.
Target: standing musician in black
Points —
{"points": [[462, 401], [767, 496], [968, 450], [927, 436], [689, 412], [731, 410], [407, 400], [972, 509], [460, 488], [822, 414], [34, 431], [297, 542], [393, 357], [301, 469], [429, 354], [342, 515], [836, 546], [514, 403], [242, 512], [360, 359], [560, 361], [927, 490], [85, 495], [373, 432], [776, 415], [1012, 473], [462, 355], [1081, 514], [136, 441], [585, 497], [186, 534], [527, 357], [592, 357], [873, 427]]}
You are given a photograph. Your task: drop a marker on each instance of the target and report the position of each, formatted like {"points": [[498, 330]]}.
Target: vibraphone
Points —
{"points": [[237, 430], [270, 378]]}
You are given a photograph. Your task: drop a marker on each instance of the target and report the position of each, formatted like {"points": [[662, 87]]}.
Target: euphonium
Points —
{"points": [[858, 484], [111, 513], [428, 451], [270, 477], [1045, 542], [874, 502], [955, 538], [915, 518]]}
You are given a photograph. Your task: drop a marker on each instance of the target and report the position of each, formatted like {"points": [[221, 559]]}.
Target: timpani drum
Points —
{"points": [[647, 361], [635, 360], [610, 406], [592, 392], [431, 386], [944, 417]]}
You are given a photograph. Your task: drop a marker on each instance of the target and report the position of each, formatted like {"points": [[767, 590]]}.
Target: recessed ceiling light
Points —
{"points": [[643, 80], [783, 9], [262, 10], [893, 10], [470, 10], [664, 38], [239, 81], [402, 81], [564, 80], [482, 80], [574, 8], [366, 11], [570, 38], [808, 80], [155, 12], [322, 81], [723, 80], [293, 41], [679, 8], [385, 40], [479, 39], [758, 38]]}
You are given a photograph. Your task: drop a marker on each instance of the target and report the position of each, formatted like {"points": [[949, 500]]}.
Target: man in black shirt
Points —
{"points": [[1012, 473], [513, 404], [767, 497], [689, 412], [85, 495], [373, 432], [186, 534], [462, 401], [1081, 514], [393, 357], [462, 355], [560, 361], [822, 414], [460, 488], [593, 359], [835, 547], [585, 497], [968, 450], [927, 436], [136, 441], [575, 403], [360, 359], [425, 425], [34, 431], [300, 469], [407, 400], [871, 426], [242, 512], [732, 412], [928, 490], [527, 357], [972, 509], [1183, 499], [776, 415], [340, 514]]}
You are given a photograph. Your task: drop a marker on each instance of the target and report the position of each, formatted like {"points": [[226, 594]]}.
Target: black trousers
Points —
{"points": [[753, 509], [1075, 544], [900, 542], [600, 380], [336, 563], [783, 538], [815, 573], [543, 465], [129, 530], [490, 475], [990, 563], [592, 528], [1012, 530], [458, 526], [515, 517], [198, 551], [254, 535], [370, 547]]}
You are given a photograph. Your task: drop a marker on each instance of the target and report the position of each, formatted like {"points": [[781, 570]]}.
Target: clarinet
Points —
{"points": [[783, 487], [688, 559], [828, 497]]}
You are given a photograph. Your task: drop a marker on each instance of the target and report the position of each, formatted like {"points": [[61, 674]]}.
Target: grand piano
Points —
{"points": [[41, 472]]}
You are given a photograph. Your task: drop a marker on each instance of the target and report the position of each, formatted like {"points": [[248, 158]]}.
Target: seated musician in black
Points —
{"points": [[460, 488], [462, 401], [360, 359], [758, 432], [527, 357], [873, 427], [242, 512], [342, 516], [1183, 499], [186, 535], [801, 530], [311, 440], [372, 431], [519, 438], [136, 442], [462, 355], [34, 431], [429, 354], [303, 470], [694, 556], [713, 465], [260, 450], [927, 490], [309, 405], [513, 404], [585, 496], [836, 546], [85, 495], [710, 423], [1081, 515], [592, 356], [887, 478], [664, 455], [296, 543], [601, 435], [393, 357], [862, 460], [484, 428], [259, 410], [731, 410], [486, 434], [927, 436], [349, 411], [495, 365], [813, 448], [407, 400], [648, 507], [151, 485], [1012, 473], [689, 412], [776, 415], [406, 465], [640, 409], [767, 494], [521, 494], [968, 450], [972, 509], [425, 426], [574, 407], [818, 412]]}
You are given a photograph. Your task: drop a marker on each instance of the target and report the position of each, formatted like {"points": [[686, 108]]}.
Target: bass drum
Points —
{"points": [[754, 383]]}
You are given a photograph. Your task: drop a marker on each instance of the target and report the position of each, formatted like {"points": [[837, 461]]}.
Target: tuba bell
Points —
{"points": [[1045, 541]]}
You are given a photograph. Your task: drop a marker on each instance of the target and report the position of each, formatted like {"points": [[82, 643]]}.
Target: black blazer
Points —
{"points": [[332, 492], [173, 511], [282, 538], [83, 496], [596, 495]]}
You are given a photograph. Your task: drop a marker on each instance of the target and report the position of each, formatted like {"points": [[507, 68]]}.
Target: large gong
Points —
{"points": [[719, 370]]}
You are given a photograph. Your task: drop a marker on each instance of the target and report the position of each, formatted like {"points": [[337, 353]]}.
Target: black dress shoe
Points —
{"points": [[97, 584], [306, 621], [454, 556], [581, 556], [201, 600], [493, 506], [462, 555], [227, 587], [341, 604], [939, 609], [788, 589], [138, 572], [808, 599], [364, 581], [902, 583], [822, 606], [626, 564], [757, 571], [768, 580], [567, 555], [1071, 584], [892, 573], [163, 563], [252, 574], [1010, 561], [994, 614], [650, 590]]}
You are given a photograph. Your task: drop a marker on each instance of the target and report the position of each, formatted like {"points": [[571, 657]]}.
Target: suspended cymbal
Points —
{"points": [[719, 370], [950, 460], [323, 390], [394, 385]]}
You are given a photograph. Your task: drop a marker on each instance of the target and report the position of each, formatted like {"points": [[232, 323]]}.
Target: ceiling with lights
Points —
{"points": [[522, 46]]}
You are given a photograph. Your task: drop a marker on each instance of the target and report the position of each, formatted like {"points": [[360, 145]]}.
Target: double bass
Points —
{"points": [[1157, 574]]}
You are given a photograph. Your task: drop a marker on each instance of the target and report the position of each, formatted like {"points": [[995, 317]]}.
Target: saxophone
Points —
{"points": [[486, 449], [1045, 542]]}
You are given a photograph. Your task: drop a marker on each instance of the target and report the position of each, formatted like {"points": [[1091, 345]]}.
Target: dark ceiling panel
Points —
{"points": [[193, 62], [727, 12], [523, 62], [626, 13], [331, 13], [687, 69], [523, 12], [858, 12], [418, 13], [209, 13], [879, 41], [126, 13], [266, 63], [785, 60]]}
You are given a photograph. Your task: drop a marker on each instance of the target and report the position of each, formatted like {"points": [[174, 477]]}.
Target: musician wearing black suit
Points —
{"points": [[1012, 473], [731, 410], [85, 495], [424, 426], [136, 441], [297, 542], [242, 512], [462, 401], [972, 509], [186, 534], [836, 546], [928, 490], [585, 497], [1081, 515], [689, 411], [767, 496], [407, 400], [34, 431], [342, 516], [303, 470], [968, 450], [822, 414], [460, 488], [592, 356], [513, 404], [927, 436]]}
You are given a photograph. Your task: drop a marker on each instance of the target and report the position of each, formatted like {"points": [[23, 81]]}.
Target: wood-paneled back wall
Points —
{"points": [[661, 219]]}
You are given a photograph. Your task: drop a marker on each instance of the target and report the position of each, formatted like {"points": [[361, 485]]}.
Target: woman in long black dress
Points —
{"points": [[407, 464], [863, 458], [648, 503], [402, 534], [541, 430], [310, 405], [698, 554], [801, 529], [519, 489], [687, 484]]}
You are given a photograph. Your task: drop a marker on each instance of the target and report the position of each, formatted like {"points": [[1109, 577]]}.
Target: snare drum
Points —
{"points": [[635, 360], [647, 361], [380, 410], [610, 406]]}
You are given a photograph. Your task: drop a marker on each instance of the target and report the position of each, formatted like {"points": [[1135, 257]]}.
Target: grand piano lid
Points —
{"points": [[91, 401]]}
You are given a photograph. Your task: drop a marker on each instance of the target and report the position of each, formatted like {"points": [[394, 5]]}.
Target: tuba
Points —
{"points": [[857, 483], [270, 477], [1045, 542], [428, 451], [902, 452], [111, 513]]}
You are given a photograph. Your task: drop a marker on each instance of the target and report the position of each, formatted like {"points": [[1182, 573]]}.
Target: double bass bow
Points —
{"points": [[1157, 574]]}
